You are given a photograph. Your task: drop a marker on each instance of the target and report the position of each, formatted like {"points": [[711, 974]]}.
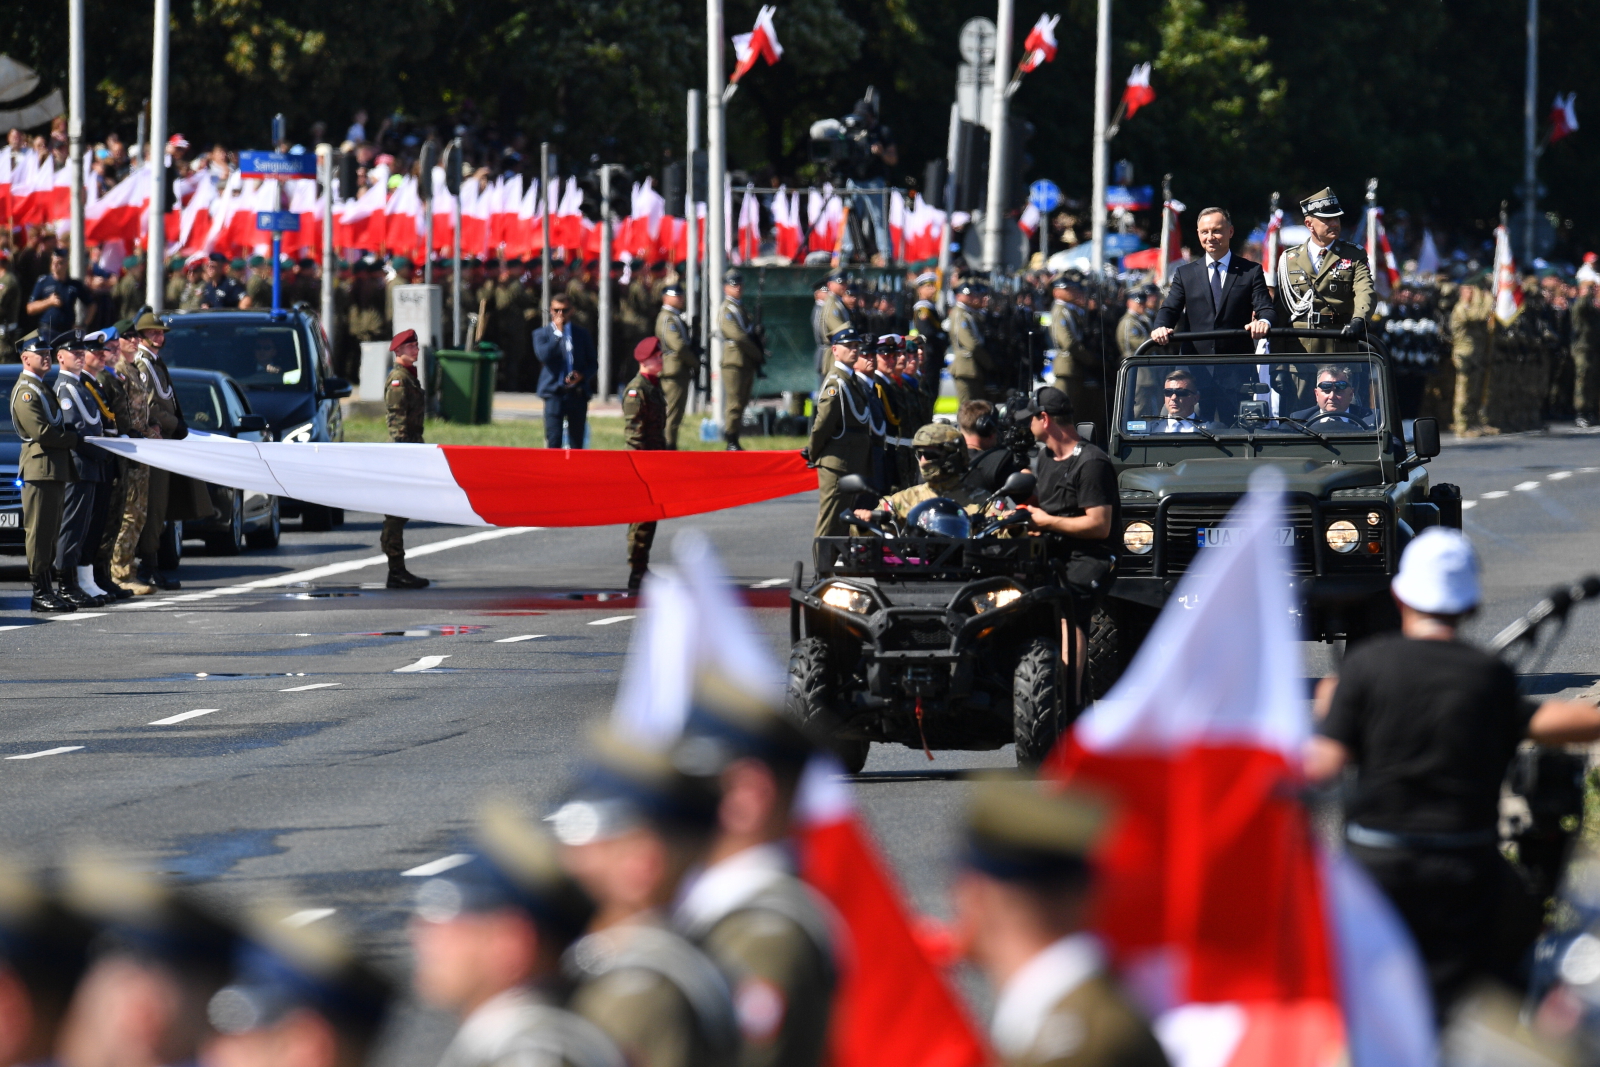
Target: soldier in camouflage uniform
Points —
{"points": [[644, 413], [510, 307], [680, 360], [1519, 372], [1585, 372], [942, 461], [404, 404], [365, 320], [136, 476], [258, 285], [1470, 348]]}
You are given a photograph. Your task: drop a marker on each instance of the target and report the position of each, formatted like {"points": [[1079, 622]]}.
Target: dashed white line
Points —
{"points": [[22, 626], [307, 916], [76, 616], [1467, 505], [1556, 476], [614, 618], [182, 716], [438, 866], [1495, 494], [519, 637], [48, 752], [1523, 487], [426, 663], [1588, 470], [770, 583], [313, 685]]}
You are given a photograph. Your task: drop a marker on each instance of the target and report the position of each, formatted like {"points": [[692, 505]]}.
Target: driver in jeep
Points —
{"points": [[941, 454], [1336, 407]]}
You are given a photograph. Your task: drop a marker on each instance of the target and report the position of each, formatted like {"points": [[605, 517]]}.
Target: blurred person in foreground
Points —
{"points": [[1429, 725], [44, 949]]}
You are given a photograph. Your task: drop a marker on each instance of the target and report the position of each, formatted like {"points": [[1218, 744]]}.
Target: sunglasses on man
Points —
{"points": [[1333, 387], [1178, 394]]}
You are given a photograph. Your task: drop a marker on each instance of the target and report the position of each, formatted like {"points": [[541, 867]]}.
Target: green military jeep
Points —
{"points": [[1186, 433]]}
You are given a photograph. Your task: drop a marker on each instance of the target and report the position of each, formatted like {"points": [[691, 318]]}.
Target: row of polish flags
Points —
{"points": [[915, 226], [34, 193]]}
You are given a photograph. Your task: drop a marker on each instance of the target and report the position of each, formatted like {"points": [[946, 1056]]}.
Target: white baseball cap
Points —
{"points": [[1438, 573]]}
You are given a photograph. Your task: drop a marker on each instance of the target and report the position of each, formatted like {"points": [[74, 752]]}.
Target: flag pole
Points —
{"points": [[716, 171], [330, 258], [156, 235], [691, 218], [947, 196], [603, 327], [544, 215], [1102, 106], [1163, 260], [75, 135], [993, 234], [1530, 154]]}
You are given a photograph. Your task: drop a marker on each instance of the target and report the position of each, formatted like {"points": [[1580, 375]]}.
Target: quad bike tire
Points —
{"points": [[1041, 708], [811, 696]]}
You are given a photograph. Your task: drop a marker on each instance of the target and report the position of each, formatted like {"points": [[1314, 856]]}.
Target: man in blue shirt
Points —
{"points": [[568, 367], [56, 297]]}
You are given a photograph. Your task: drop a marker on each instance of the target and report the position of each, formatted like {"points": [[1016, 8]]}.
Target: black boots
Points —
{"points": [[733, 443], [400, 578], [102, 578], [635, 579], [45, 598], [150, 576], [69, 590]]}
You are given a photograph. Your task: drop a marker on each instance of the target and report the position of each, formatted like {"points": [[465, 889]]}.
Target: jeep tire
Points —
{"points": [[810, 699]]}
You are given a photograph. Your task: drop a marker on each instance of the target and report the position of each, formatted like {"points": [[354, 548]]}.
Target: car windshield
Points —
{"points": [[257, 355], [202, 405], [1337, 394]]}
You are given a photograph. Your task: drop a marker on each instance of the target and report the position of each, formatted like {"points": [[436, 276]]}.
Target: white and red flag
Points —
{"points": [[1246, 941], [786, 223], [1028, 221], [1040, 46], [1563, 116], [1270, 246], [1507, 288], [1137, 93], [749, 225], [119, 214], [760, 43]]}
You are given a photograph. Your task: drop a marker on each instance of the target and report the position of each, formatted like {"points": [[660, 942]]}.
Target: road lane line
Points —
{"points": [[770, 583], [313, 685], [426, 663], [438, 866], [47, 752], [181, 716], [614, 618], [1523, 487], [1556, 476], [519, 637], [21, 626], [307, 916], [75, 616], [1468, 504], [1495, 495]]}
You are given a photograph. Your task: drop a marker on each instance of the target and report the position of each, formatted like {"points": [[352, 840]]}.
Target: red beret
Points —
{"points": [[404, 337], [650, 346]]}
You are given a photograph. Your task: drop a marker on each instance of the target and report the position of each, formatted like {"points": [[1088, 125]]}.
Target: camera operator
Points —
{"points": [[872, 154], [993, 460], [1430, 725], [1079, 502]]}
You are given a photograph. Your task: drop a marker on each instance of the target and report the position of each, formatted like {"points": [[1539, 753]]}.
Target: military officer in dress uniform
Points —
{"points": [[679, 359], [45, 467], [841, 433], [899, 416], [638, 821], [1021, 904], [746, 910], [742, 357], [488, 938], [112, 397], [167, 419], [404, 404], [83, 508], [970, 363], [835, 312], [1326, 283], [644, 414]]}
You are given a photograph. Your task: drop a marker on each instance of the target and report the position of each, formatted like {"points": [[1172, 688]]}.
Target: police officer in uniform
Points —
{"points": [[762, 925], [83, 508], [1326, 283], [742, 357], [841, 433], [970, 364], [680, 359], [488, 938], [1021, 903], [404, 404], [644, 414], [45, 467], [653, 993]]}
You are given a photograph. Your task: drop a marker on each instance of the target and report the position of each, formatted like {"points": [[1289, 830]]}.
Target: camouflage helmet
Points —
{"points": [[947, 440]]}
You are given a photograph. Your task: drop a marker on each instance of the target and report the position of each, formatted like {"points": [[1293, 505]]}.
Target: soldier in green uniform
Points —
{"points": [[1076, 369], [1021, 904], [1585, 372], [970, 363], [1133, 329], [10, 309], [680, 359], [169, 495], [403, 403], [1326, 283], [925, 324], [135, 475], [658, 997], [128, 294], [45, 468], [747, 910], [172, 286], [742, 357], [258, 285], [510, 307], [942, 460], [841, 433], [1471, 342], [644, 414], [835, 313], [366, 318]]}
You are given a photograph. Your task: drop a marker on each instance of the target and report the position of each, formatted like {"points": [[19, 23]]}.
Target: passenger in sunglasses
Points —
{"points": [[1336, 408], [1180, 401]]}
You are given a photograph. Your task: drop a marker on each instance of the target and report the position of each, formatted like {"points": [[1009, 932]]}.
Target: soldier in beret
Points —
{"points": [[45, 467], [404, 404], [1021, 903], [1326, 283]]}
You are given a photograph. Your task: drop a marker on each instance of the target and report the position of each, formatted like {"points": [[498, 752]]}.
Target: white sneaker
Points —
{"points": [[86, 582]]}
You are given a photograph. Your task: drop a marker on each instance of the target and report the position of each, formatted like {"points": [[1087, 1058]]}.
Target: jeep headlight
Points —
{"points": [[1342, 536], [847, 599], [1139, 537], [300, 434], [995, 598]]}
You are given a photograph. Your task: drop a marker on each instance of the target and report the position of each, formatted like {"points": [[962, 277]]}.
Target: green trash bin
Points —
{"points": [[466, 383]]}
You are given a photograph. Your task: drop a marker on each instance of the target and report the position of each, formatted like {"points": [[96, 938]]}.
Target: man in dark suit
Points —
{"points": [[568, 367], [1221, 291], [1336, 409]]}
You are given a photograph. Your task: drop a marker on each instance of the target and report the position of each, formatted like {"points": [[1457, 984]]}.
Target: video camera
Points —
{"points": [[844, 146], [1015, 437]]}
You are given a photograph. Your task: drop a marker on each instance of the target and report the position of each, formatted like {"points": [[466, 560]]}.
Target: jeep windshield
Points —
{"points": [[258, 355], [1335, 395]]}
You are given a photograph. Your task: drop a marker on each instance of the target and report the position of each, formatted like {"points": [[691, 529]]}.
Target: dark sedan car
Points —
{"points": [[214, 403]]}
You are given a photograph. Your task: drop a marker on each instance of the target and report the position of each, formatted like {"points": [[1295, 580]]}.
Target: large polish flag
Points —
{"points": [[1250, 945], [118, 215], [892, 1007]]}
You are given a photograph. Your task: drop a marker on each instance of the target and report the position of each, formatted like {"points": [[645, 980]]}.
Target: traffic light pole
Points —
{"points": [[604, 330], [994, 212], [155, 274], [716, 168], [1102, 110]]}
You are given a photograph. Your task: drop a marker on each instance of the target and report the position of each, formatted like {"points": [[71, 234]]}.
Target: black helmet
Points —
{"points": [[940, 517]]}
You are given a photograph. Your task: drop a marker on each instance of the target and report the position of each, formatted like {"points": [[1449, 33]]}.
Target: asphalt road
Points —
{"points": [[286, 728]]}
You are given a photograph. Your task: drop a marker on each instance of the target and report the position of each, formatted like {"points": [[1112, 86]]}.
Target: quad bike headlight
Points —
{"points": [[1342, 536], [1139, 537], [847, 599], [994, 598]]}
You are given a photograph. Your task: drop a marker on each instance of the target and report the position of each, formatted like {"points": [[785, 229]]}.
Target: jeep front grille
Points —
{"points": [[1185, 521]]}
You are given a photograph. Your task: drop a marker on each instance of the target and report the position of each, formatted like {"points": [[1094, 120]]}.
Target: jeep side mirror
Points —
{"points": [[854, 483], [1019, 486], [337, 388], [251, 423], [1425, 438], [1087, 431]]}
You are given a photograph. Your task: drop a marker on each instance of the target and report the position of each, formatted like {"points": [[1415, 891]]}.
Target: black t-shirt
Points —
{"points": [[989, 469], [1431, 727], [1073, 485]]}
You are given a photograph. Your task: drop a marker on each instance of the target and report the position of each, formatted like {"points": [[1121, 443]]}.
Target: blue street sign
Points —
{"points": [[1135, 198], [1044, 195], [278, 221], [278, 164]]}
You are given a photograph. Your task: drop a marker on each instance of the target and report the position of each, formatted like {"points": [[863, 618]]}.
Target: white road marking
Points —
{"points": [[47, 752], [614, 618], [1557, 476], [1468, 504], [1495, 495], [23, 626], [76, 616], [307, 917], [331, 569], [1523, 487], [438, 866], [424, 664], [314, 685], [514, 640], [770, 583], [1588, 470], [181, 716]]}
